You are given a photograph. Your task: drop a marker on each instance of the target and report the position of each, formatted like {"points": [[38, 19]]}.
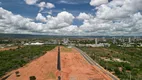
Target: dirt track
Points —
{"points": [[73, 67], [4, 49]]}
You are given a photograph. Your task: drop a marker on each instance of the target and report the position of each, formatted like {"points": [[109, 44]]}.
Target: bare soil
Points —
{"points": [[43, 68], [9, 48], [75, 67]]}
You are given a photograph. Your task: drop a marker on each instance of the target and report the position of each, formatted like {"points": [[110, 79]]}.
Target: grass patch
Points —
{"points": [[132, 55], [65, 49]]}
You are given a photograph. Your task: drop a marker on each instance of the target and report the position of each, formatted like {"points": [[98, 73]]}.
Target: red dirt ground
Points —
{"points": [[43, 68], [4, 49], [75, 67]]}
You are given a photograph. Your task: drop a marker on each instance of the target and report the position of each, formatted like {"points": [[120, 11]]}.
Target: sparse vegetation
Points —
{"points": [[13, 59], [126, 63]]}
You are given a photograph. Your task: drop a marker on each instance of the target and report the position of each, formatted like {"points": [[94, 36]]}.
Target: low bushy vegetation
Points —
{"points": [[129, 69], [13, 59]]}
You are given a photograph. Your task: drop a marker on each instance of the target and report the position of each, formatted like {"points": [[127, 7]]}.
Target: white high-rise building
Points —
{"points": [[114, 40], [129, 40], [65, 41], [96, 41]]}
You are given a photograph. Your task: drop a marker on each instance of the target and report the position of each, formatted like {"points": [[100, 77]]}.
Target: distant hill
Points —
{"points": [[52, 36], [24, 36]]}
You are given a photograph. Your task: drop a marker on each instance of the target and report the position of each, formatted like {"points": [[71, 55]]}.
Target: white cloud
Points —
{"points": [[98, 2], [30, 2], [41, 5], [40, 17], [10, 23], [118, 17], [84, 16], [47, 5], [119, 9], [72, 1], [63, 19], [123, 26]]}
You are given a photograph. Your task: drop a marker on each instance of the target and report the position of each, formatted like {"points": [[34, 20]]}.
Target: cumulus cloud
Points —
{"points": [[118, 17], [47, 5], [119, 9], [30, 2], [84, 16], [98, 2], [10, 23], [41, 5], [17, 24], [63, 19], [40, 17]]}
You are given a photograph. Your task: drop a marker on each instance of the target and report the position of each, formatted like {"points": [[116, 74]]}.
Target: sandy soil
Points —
{"points": [[3, 49], [75, 67], [43, 68]]}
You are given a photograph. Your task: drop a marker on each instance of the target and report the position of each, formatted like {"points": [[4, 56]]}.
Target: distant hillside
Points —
{"points": [[52, 36]]}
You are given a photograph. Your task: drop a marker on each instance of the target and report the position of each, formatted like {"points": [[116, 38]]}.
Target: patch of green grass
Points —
{"points": [[65, 49], [132, 55]]}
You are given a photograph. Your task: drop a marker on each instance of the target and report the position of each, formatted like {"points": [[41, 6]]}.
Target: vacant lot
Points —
{"points": [[75, 67], [16, 58], [126, 63], [9, 48]]}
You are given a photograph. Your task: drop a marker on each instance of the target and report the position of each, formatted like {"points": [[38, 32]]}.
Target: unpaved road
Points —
{"points": [[73, 67]]}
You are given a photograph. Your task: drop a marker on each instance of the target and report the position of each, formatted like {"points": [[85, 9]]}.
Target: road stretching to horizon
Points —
{"points": [[61, 63]]}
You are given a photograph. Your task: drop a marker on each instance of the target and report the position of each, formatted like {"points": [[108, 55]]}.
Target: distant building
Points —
{"points": [[51, 42], [65, 41], [95, 45], [129, 40], [36, 43], [114, 40], [96, 41]]}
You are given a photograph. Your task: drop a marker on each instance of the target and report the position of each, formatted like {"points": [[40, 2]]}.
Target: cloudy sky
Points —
{"points": [[72, 17]]}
